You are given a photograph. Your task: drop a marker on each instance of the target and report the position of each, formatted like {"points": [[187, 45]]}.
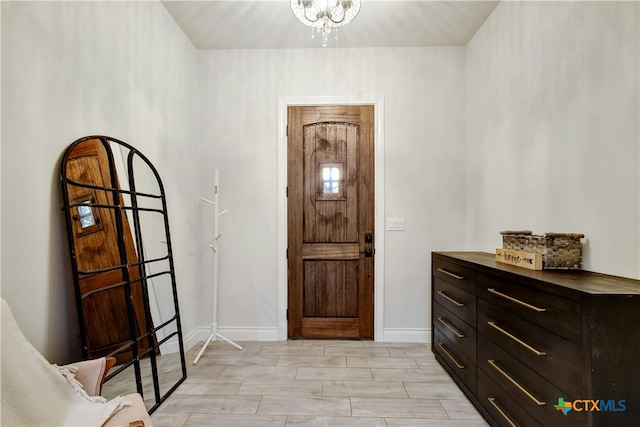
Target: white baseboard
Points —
{"points": [[197, 335], [233, 333], [421, 335]]}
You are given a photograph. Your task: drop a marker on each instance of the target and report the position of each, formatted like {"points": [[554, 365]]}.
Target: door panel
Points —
{"points": [[330, 288], [331, 215], [102, 267], [330, 221]]}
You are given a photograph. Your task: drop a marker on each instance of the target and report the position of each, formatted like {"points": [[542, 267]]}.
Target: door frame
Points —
{"points": [[378, 281]]}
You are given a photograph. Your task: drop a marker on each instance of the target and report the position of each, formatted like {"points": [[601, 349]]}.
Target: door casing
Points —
{"points": [[378, 103]]}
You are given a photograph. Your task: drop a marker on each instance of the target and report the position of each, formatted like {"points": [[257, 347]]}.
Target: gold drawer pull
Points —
{"points": [[459, 304], [492, 400], [450, 327], [516, 339], [448, 273], [450, 356], [515, 383], [517, 301]]}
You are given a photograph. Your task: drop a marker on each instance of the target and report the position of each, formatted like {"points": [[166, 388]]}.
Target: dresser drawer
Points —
{"points": [[460, 333], [560, 315], [458, 275], [460, 363], [501, 405], [549, 355], [535, 394], [455, 299]]}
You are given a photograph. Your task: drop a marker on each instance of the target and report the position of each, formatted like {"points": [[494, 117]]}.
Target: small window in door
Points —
{"points": [[86, 219], [86, 215], [331, 181]]}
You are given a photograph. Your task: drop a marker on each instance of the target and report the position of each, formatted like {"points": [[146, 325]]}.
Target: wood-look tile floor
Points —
{"points": [[316, 383]]}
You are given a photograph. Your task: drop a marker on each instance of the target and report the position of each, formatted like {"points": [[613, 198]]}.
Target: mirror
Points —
{"points": [[120, 248]]}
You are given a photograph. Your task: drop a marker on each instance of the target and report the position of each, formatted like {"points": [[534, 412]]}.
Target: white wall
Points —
{"points": [[423, 90], [542, 104], [552, 128], [70, 69]]}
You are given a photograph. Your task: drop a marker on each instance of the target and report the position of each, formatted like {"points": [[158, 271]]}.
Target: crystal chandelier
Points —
{"points": [[325, 15]]}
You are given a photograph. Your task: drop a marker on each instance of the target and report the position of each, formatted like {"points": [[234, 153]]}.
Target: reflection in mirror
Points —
{"points": [[122, 263], [123, 383]]}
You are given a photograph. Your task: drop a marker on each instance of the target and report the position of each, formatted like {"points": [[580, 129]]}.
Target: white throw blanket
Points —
{"points": [[36, 393]]}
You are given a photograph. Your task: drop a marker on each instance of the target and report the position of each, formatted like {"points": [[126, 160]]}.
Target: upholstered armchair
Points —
{"points": [[91, 374], [37, 393]]}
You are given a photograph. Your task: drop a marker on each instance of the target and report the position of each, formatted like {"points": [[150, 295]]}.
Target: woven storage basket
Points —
{"points": [[558, 250]]}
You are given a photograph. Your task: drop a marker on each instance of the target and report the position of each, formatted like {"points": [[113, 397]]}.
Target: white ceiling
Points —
{"points": [[255, 24]]}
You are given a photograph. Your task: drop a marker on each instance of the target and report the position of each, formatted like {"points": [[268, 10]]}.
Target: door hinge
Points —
{"points": [[287, 191], [287, 131], [287, 253], [287, 314]]}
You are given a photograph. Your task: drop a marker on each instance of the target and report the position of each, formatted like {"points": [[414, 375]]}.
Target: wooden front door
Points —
{"points": [[330, 210], [105, 266]]}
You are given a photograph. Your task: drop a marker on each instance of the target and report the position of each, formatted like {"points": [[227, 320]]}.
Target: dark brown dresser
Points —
{"points": [[538, 348]]}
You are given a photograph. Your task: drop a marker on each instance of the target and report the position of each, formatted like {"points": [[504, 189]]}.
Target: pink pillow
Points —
{"points": [[90, 374]]}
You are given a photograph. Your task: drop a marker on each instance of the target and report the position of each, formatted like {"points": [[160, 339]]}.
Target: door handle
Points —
{"points": [[368, 253]]}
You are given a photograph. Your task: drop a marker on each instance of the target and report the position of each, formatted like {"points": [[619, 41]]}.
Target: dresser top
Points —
{"points": [[578, 280]]}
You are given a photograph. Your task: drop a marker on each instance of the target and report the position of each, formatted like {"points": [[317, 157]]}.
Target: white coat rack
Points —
{"points": [[214, 248]]}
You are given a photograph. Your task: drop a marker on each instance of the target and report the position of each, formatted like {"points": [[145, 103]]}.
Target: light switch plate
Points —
{"points": [[395, 224]]}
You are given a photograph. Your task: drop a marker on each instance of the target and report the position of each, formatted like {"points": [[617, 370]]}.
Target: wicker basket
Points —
{"points": [[558, 250]]}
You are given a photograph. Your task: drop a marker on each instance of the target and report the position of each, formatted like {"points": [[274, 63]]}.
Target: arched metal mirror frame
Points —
{"points": [[116, 192]]}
